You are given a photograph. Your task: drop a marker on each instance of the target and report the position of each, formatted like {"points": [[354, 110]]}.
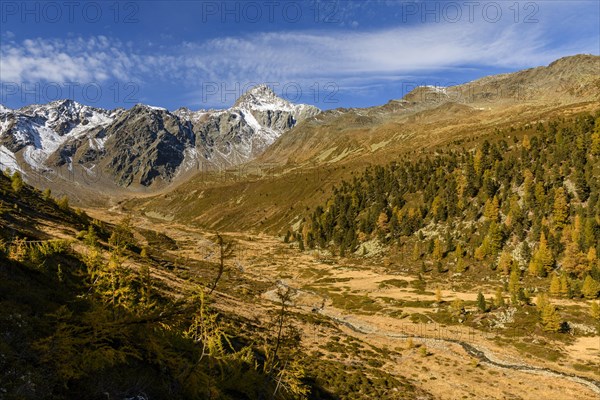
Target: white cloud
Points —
{"points": [[350, 57], [373, 55], [94, 59]]}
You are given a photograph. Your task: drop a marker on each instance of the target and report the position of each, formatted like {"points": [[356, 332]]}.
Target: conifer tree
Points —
{"points": [[555, 286], [495, 239], [499, 299], [505, 262], [523, 297], [63, 203], [226, 249], [416, 253], [146, 290], [438, 251], [592, 258], [458, 307], [17, 182], [564, 285], [540, 196], [514, 285], [541, 302], [581, 185], [460, 265], [561, 208], [17, 251], [90, 238], [526, 143], [458, 252], [595, 146], [438, 295], [551, 320], [492, 210], [590, 288], [122, 236], [481, 303], [542, 261], [573, 259]]}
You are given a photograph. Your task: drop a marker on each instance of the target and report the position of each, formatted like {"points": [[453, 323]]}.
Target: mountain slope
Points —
{"points": [[342, 134], [299, 170]]}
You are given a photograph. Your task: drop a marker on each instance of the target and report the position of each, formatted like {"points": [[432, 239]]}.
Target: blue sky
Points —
{"points": [[330, 53]]}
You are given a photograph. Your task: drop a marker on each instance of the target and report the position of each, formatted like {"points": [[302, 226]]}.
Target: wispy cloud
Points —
{"points": [[351, 58], [93, 59]]}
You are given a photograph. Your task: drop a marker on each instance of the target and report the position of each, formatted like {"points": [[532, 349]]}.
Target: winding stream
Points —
{"points": [[482, 354]]}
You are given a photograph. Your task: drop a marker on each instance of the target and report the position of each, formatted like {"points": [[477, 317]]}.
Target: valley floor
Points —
{"points": [[360, 312]]}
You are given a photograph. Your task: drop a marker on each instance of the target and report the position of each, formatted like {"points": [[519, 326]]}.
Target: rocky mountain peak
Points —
{"points": [[262, 97], [148, 108]]}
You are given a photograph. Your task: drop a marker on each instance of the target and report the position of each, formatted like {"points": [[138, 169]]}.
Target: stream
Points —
{"points": [[483, 355]]}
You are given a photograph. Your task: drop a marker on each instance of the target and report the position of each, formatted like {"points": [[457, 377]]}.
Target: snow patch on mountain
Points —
{"points": [[249, 118], [437, 89], [97, 143], [8, 160], [42, 129]]}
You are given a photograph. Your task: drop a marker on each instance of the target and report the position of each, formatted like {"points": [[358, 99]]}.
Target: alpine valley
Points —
{"points": [[444, 245]]}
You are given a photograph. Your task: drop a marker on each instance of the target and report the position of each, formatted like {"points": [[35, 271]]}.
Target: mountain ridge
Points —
{"points": [[145, 145], [299, 170]]}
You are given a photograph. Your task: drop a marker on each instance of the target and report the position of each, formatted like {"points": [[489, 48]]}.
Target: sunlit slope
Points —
{"points": [[300, 169]]}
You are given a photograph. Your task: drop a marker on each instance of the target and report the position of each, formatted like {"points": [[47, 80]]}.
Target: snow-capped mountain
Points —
{"points": [[244, 131], [144, 144], [35, 132]]}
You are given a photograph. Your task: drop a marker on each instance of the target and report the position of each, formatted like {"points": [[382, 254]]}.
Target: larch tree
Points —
{"points": [[555, 286], [499, 299], [225, 252], [551, 320], [564, 285], [592, 258], [481, 303], [492, 210], [17, 182], [438, 250], [590, 288], [573, 259], [542, 261], [561, 208], [541, 301], [505, 262], [416, 252], [460, 265], [526, 143], [514, 282]]}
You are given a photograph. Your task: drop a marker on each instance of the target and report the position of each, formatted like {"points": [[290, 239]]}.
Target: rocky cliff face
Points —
{"points": [[143, 145], [244, 131]]}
